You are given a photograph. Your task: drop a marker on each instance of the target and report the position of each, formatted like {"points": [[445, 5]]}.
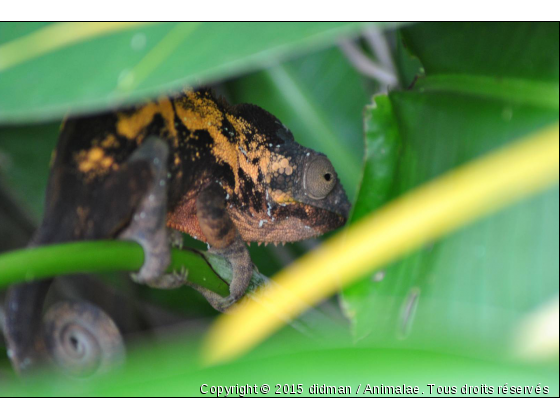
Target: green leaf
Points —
{"points": [[467, 292], [40, 79], [517, 50], [517, 63], [382, 152], [175, 370]]}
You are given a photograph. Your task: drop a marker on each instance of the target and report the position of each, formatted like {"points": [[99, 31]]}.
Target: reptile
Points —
{"points": [[192, 163]]}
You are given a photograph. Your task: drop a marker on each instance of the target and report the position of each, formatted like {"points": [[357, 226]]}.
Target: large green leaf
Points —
{"points": [[289, 358], [520, 50], [466, 292], [111, 69]]}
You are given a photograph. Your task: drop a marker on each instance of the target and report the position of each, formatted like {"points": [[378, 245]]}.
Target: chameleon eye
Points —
{"points": [[319, 178]]}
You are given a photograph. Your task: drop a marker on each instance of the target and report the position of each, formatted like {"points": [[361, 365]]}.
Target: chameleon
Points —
{"points": [[224, 174]]}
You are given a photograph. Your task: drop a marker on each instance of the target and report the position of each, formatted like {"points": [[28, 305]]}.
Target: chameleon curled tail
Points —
{"points": [[78, 336], [81, 339]]}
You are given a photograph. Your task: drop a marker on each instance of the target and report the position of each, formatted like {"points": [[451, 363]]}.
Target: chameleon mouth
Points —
{"points": [[327, 220], [316, 221], [344, 212], [290, 223]]}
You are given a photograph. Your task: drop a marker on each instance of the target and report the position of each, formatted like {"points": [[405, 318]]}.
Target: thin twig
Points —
{"points": [[366, 65], [380, 47]]}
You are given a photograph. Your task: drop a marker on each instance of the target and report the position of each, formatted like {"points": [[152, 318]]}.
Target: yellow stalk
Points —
{"points": [[54, 37], [423, 215]]}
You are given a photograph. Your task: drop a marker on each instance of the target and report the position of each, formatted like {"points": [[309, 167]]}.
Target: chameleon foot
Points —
{"points": [[224, 240], [166, 281], [219, 303]]}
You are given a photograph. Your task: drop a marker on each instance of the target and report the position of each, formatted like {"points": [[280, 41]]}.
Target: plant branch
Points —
{"points": [[105, 256]]}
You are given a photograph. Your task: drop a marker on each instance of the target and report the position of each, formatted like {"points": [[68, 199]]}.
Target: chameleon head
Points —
{"points": [[304, 195], [301, 196]]}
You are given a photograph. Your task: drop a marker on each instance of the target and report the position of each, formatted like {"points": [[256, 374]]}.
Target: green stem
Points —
{"points": [[99, 257]]}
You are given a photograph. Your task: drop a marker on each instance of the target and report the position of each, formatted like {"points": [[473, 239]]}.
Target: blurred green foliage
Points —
{"points": [[445, 314], [126, 66], [468, 291], [25, 153]]}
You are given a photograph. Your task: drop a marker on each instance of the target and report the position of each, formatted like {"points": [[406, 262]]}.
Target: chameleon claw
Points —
{"points": [[173, 280], [175, 238]]}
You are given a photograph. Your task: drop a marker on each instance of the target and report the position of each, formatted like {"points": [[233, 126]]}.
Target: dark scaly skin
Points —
{"points": [[222, 174]]}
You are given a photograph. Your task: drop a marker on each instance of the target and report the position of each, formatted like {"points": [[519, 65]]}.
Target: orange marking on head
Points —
{"points": [[110, 142], [254, 149], [282, 197]]}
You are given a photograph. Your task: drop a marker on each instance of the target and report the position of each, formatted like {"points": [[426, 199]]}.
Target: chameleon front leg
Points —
{"points": [[147, 226], [224, 240]]}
